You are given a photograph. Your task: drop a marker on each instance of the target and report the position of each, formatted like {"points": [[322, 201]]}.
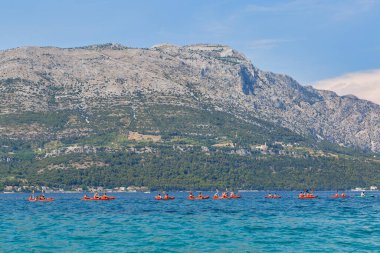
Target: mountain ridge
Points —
{"points": [[174, 117], [51, 78]]}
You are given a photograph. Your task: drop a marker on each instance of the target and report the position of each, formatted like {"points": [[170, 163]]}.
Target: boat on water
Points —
{"points": [[307, 196], [99, 198], [165, 197], [40, 199], [273, 196], [226, 196], [96, 197], [366, 196], [197, 197], [340, 196]]}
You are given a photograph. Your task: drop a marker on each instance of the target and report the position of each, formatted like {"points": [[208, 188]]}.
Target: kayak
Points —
{"points": [[99, 198], [163, 198], [366, 196], [198, 198], [231, 197], [40, 200], [340, 197], [216, 197], [308, 197], [272, 197]]}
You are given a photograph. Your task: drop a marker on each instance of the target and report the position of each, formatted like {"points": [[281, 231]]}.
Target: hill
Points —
{"points": [[169, 117]]}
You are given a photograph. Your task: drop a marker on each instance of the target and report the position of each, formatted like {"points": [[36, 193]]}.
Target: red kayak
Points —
{"points": [[163, 198], [99, 198], [301, 196], [198, 198], [230, 197], [217, 198], [340, 197], [273, 197], [40, 199]]}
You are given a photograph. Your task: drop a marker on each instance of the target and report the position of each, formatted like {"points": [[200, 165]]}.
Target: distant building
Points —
{"points": [[262, 147]]}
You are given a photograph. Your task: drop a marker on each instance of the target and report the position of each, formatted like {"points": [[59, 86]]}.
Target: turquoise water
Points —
{"points": [[136, 223]]}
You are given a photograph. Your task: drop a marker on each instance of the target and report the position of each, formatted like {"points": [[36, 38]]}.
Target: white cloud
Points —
{"points": [[365, 85]]}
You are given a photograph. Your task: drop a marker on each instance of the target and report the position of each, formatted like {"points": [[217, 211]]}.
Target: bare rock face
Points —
{"points": [[87, 78]]}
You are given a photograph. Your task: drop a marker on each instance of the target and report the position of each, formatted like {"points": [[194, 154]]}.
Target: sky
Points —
{"points": [[308, 40]]}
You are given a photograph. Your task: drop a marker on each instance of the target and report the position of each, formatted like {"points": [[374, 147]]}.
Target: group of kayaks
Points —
{"points": [[308, 195], [96, 197], [225, 195]]}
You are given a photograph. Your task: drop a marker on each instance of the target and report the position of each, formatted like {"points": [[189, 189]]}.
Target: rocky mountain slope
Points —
{"points": [[197, 76]]}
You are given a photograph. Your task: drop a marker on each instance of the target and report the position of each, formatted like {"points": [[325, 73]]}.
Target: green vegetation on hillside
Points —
{"points": [[196, 149]]}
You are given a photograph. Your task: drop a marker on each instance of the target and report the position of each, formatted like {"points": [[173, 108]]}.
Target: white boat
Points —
{"points": [[358, 189]]}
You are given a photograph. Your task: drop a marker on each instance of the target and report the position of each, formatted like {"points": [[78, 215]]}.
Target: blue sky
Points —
{"points": [[309, 40]]}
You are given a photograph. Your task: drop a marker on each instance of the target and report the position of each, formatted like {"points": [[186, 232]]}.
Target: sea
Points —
{"points": [[135, 222]]}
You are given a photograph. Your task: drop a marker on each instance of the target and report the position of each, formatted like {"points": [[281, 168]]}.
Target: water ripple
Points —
{"points": [[136, 223]]}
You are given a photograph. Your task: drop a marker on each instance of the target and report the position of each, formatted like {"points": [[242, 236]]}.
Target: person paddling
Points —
{"points": [[159, 196], [42, 196], [166, 196], [32, 196]]}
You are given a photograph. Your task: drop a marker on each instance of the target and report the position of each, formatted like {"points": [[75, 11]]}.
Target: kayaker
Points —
{"points": [[200, 195], [336, 195], [158, 196], [301, 195], [343, 195], [42, 196], [232, 194], [85, 196], [224, 195], [191, 195], [362, 194], [96, 195], [216, 195], [166, 196]]}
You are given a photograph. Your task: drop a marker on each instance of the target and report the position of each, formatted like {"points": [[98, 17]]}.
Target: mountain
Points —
{"points": [[175, 117], [44, 79]]}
